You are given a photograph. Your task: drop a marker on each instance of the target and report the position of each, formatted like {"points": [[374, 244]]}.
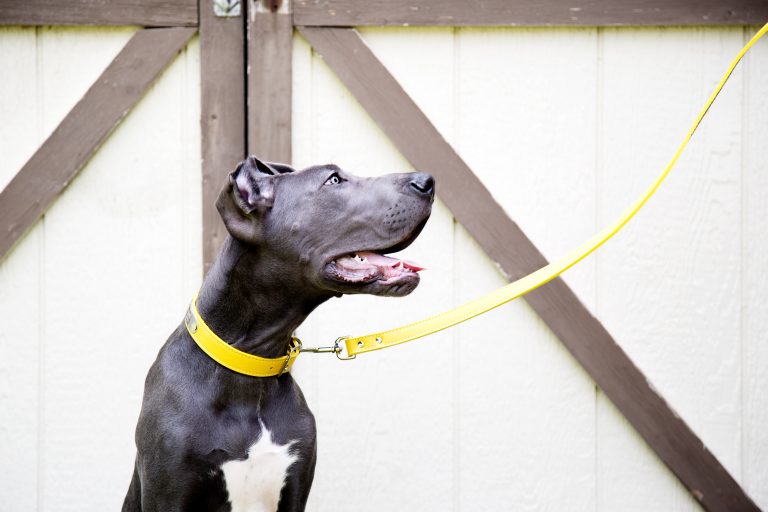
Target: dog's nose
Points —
{"points": [[423, 183]]}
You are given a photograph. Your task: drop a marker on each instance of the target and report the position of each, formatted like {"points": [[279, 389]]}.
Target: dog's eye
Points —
{"points": [[333, 179]]}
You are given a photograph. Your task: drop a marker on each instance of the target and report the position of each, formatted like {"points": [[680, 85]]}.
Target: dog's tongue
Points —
{"points": [[382, 261]]}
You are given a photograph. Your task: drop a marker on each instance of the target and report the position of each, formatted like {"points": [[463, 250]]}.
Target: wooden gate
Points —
{"points": [[246, 105]]}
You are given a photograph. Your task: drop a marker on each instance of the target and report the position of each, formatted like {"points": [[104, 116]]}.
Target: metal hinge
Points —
{"points": [[226, 8]]}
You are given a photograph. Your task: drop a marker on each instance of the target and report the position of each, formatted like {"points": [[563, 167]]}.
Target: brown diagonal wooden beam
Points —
{"points": [[351, 13], [56, 163], [147, 13], [222, 115], [505, 243], [270, 50]]}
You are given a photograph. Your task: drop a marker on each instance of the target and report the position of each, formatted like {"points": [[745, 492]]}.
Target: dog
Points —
{"points": [[211, 439]]}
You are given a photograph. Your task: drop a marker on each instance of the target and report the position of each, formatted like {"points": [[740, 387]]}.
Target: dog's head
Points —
{"points": [[330, 226]]}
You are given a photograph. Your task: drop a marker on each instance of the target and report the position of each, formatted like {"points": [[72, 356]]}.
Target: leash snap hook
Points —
{"points": [[336, 348]]}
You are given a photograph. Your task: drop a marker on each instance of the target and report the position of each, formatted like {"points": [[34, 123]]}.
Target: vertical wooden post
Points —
{"points": [[270, 50], [222, 123]]}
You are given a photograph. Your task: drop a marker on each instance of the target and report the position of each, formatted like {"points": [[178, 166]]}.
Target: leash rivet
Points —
{"points": [[360, 344], [379, 340]]}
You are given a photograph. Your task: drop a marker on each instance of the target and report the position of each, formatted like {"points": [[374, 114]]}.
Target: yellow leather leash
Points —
{"points": [[248, 364], [361, 344]]}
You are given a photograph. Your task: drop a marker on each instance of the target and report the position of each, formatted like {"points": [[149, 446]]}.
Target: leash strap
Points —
{"points": [[232, 358], [377, 341]]}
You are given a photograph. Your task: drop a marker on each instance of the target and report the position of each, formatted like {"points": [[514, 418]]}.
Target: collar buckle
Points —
{"points": [[293, 348]]}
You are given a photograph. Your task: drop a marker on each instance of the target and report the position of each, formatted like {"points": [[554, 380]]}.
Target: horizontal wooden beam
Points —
{"points": [[350, 13], [505, 243], [146, 13], [56, 163]]}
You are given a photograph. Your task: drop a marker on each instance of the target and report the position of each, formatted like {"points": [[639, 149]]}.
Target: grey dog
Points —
{"points": [[211, 439]]}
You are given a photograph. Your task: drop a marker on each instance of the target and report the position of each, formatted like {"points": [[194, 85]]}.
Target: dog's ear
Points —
{"points": [[253, 185], [248, 194]]}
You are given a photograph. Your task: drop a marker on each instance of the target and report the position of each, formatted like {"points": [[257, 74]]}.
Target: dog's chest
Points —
{"points": [[254, 484]]}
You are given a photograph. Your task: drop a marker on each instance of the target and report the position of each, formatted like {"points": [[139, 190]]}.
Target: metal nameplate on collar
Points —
{"points": [[189, 321]]}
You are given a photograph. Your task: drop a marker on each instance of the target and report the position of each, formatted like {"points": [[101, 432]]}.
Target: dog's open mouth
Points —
{"points": [[370, 271], [369, 266]]}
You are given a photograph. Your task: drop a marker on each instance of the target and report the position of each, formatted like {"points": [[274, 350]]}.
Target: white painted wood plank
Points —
{"points": [[526, 104], [116, 272], [19, 283], [668, 286], [755, 278], [402, 433], [20, 288]]}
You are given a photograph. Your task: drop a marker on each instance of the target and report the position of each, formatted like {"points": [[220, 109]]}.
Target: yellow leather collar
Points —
{"points": [[232, 358]]}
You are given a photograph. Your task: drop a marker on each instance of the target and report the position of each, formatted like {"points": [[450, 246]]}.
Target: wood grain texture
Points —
{"points": [[222, 117], [90, 122], [506, 244], [349, 13], [147, 13], [270, 45]]}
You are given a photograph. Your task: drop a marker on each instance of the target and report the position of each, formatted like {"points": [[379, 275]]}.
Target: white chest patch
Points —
{"points": [[254, 484]]}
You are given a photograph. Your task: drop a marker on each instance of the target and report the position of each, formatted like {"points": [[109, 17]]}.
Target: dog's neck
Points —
{"points": [[251, 300]]}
